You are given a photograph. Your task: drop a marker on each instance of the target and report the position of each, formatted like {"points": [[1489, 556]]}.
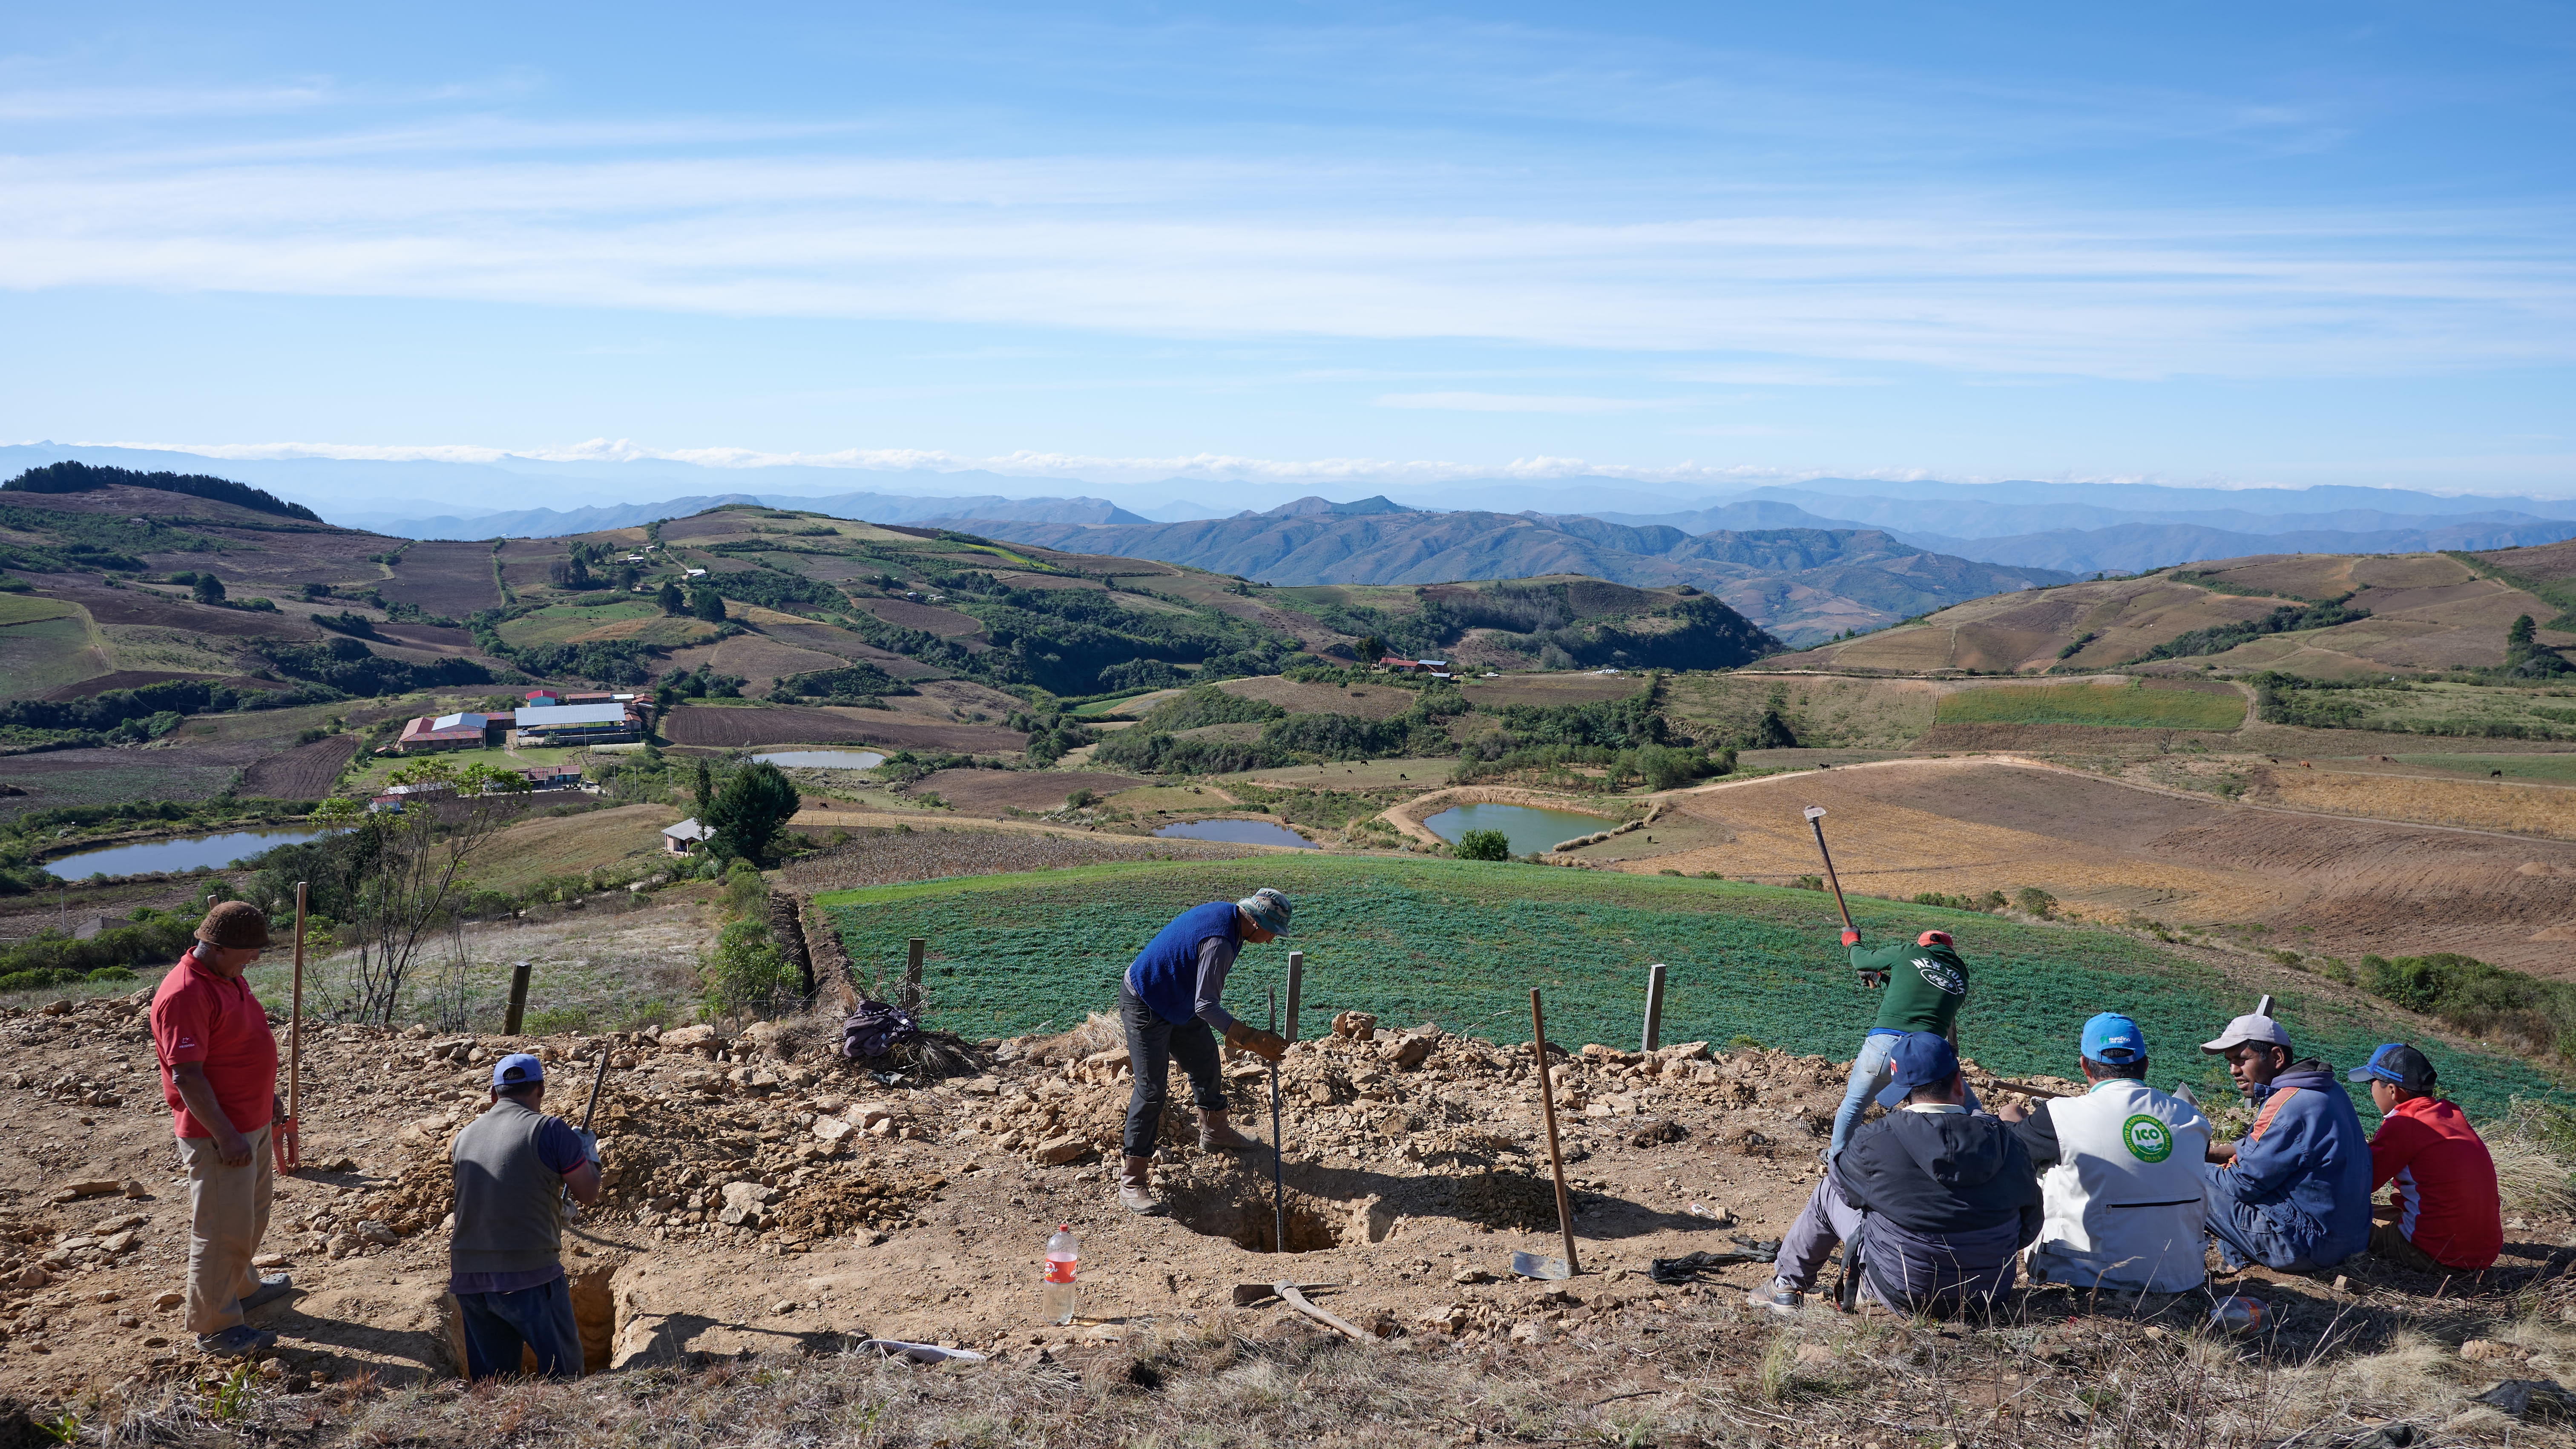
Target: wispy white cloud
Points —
{"points": [[1995, 284], [1505, 402]]}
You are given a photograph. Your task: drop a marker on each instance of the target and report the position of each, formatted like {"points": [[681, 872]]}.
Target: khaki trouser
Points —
{"points": [[2387, 1242], [227, 1216]]}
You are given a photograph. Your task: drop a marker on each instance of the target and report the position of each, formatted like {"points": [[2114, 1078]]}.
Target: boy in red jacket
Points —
{"points": [[2446, 1216]]}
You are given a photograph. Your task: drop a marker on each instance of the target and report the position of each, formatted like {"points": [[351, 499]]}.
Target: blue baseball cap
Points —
{"points": [[518, 1069], [2396, 1063], [1921, 1059], [2114, 1040]]}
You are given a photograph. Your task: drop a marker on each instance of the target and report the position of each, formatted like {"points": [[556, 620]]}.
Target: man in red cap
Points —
{"points": [[219, 1075], [1925, 985]]}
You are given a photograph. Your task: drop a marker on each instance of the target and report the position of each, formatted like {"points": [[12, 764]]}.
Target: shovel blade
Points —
{"points": [[1531, 1265]]}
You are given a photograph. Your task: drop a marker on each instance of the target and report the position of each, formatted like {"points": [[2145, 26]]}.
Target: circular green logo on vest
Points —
{"points": [[2148, 1139]]}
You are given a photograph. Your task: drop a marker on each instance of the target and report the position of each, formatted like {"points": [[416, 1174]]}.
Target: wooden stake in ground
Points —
{"points": [[1654, 1034], [290, 1149], [1278, 1148], [1555, 1153]]}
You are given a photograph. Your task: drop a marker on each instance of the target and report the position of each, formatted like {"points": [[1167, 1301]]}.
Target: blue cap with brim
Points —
{"points": [[518, 1069], [2398, 1064], [1921, 1059], [2114, 1040]]}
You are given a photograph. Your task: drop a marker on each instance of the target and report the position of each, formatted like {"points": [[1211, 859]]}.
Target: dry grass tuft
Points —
{"points": [[2534, 1148]]}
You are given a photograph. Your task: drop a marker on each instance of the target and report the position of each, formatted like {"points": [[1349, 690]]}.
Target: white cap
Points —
{"points": [[2248, 1028]]}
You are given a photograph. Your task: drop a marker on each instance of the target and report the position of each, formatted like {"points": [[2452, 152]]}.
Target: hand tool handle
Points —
{"points": [[292, 1154], [596, 1083], [1555, 1153], [1818, 821], [1278, 1149]]}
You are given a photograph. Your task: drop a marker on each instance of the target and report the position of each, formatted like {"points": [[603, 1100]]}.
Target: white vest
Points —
{"points": [[2123, 1206]]}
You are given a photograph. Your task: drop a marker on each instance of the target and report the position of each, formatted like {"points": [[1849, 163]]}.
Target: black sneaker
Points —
{"points": [[239, 1341]]}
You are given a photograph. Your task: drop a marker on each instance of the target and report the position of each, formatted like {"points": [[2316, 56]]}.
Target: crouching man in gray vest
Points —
{"points": [[2120, 1180], [505, 1262]]}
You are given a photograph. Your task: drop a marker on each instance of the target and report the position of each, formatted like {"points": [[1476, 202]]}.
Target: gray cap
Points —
{"points": [[2246, 1030]]}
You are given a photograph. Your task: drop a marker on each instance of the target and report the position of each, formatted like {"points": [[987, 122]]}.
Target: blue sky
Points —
{"points": [[2284, 244]]}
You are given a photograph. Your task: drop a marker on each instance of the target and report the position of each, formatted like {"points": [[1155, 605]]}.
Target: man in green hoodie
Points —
{"points": [[1925, 983]]}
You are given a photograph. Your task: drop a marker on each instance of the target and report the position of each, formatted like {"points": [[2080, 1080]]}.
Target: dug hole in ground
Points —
{"points": [[768, 1201]]}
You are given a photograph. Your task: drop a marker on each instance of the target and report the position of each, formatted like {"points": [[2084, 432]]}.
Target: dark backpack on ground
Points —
{"points": [[875, 1028]]}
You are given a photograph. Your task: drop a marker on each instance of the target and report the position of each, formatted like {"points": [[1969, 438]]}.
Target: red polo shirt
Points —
{"points": [[198, 1016]]}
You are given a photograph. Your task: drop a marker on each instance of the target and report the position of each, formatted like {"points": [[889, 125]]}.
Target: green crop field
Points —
{"points": [[2549, 769], [561, 623], [2125, 706], [20, 608], [44, 654], [1461, 942]]}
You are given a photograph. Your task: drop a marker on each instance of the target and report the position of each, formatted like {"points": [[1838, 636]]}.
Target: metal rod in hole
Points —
{"points": [[295, 1035], [1555, 1153], [913, 951], [518, 1013], [1296, 990], [1278, 1149], [1654, 1007]]}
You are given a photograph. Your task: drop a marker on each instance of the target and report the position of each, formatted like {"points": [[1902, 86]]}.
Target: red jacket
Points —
{"points": [[2447, 1203]]}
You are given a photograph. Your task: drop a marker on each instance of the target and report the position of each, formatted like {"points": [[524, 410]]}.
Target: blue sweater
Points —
{"points": [[1166, 975], [2305, 1166]]}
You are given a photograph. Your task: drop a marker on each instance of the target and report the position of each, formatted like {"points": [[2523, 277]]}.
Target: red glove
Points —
{"points": [[1851, 938]]}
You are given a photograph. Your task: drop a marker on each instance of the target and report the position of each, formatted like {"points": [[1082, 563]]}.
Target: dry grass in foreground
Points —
{"points": [[1709, 1372]]}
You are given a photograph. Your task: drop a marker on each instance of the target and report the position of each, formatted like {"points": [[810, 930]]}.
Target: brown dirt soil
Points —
{"points": [[302, 773], [2511, 806], [1408, 1186], [1968, 826], [903, 613], [451, 578], [140, 606], [834, 640], [762, 660], [819, 725], [990, 792], [2546, 561], [1550, 689], [137, 678]]}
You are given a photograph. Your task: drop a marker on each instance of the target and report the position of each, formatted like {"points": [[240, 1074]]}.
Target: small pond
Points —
{"points": [[1238, 832], [1530, 830], [823, 759], [192, 852]]}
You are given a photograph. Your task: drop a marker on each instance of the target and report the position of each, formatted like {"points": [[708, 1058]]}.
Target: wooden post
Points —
{"points": [[518, 999], [912, 974], [295, 1027], [1654, 1036], [1296, 990], [1555, 1153], [1278, 1150]]}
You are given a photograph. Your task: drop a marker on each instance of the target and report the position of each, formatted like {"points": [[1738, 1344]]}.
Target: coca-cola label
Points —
{"points": [[1059, 1270]]}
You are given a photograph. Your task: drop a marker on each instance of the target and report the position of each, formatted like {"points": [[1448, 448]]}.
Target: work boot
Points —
{"points": [[1135, 1190], [1218, 1135], [239, 1341]]}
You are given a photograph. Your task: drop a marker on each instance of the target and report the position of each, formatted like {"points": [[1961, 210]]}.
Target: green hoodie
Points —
{"points": [[1925, 985]]}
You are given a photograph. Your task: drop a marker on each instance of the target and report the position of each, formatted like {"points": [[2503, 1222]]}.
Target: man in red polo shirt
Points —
{"points": [[2446, 1216], [219, 1075]]}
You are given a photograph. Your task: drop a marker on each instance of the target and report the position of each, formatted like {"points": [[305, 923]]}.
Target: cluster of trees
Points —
{"points": [[2525, 657], [88, 478], [859, 683], [1154, 745], [1052, 733], [351, 667], [702, 682], [2286, 619]]}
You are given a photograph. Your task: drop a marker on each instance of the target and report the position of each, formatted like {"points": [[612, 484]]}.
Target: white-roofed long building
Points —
{"points": [[578, 724]]}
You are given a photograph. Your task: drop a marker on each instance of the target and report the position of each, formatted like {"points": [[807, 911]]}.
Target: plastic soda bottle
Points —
{"points": [[1055, 1292]]}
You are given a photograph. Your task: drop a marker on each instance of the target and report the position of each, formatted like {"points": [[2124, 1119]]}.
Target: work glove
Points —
{"points": [[1267, 1044], [1850, 939], [589, 1144]]}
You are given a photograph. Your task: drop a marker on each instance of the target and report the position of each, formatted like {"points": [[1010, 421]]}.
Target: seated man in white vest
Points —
{"points": [[2121, 1197], [513, 1166]]}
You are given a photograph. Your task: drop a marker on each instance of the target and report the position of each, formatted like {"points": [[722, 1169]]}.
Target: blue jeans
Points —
{"points": [[1869, 1077], [2244, 1231], [540, 1317]]}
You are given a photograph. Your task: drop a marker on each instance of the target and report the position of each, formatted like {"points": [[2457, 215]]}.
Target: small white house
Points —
{"points": [[686, 836], [697, 573]]}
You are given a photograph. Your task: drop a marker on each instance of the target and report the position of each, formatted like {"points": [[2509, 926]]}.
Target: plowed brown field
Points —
{"points": [[302, 773], [2328, 885]]}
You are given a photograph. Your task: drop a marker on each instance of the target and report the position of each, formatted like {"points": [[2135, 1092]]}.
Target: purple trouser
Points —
{"points": [[1823, 1222]]}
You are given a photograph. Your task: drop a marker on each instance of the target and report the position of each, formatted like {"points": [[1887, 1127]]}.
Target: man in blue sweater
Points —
{"points": [[2294, 1193], [1168, 1002]]}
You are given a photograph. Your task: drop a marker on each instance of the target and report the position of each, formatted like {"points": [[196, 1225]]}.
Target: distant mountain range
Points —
{"points": [[873, 507], [1802, 584]]}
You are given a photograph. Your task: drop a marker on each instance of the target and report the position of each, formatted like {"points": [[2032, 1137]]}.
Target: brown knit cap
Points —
{"points": [[235, 925]]}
